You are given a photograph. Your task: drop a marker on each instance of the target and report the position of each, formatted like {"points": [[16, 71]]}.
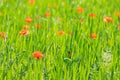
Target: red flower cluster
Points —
{"points": [[24, 32], [94, 35], [28, 20], [60, 32], [2, 35], [32, 2], [108, 19], [80, 10], [38, 54]]}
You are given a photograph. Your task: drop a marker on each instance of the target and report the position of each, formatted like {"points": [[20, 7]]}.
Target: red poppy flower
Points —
{"points": [[38, 26], [2, 35], [117, 14], [80, 10], [32, 2], [108, 19], [26, 27], [38, 54], [29, 20], [24, 32], [47, 14], [60, 32], [37, 17], [81, 21], [119, 26], [92, 15], [71, 33], [94, 35]]}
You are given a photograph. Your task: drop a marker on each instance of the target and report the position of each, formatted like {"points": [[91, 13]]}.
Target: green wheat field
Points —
{"points": [[59, 39]]}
